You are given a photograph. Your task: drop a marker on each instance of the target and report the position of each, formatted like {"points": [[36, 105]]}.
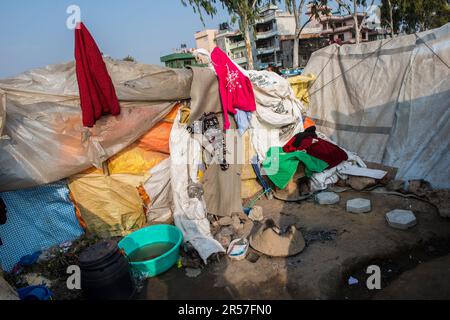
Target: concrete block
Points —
{"points": [[401, 219], [327, 198], [359, 205]]}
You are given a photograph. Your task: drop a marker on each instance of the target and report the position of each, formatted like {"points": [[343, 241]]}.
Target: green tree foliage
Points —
{"points": [[245, 11], [413, 16]]}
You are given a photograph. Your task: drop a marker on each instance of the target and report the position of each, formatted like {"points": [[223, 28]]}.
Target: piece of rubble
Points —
{"points": [[359, 205], [360, 183], [256, 214], [396, 185], [271, 243], [419, 187], [236, 224], [224, 236], [327, 198], [401, 219], [226, 221], [192, 273]]}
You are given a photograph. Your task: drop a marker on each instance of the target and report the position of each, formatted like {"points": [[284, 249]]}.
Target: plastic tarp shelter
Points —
{"points": [[42, 137], [388, 101]]}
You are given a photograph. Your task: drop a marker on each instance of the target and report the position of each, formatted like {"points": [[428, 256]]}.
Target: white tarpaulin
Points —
{"points": [[43, 137], [388, 101]]}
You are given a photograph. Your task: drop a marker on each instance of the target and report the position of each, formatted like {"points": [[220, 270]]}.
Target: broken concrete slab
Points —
{"points": [[359, 205], [401, 219], [327, 198]]}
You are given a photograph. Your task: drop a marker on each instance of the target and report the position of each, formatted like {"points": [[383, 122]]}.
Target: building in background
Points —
{"points": [[340, 29], [270, 28], [310, 41], [206, 39], [232, 43], [181, 58]]}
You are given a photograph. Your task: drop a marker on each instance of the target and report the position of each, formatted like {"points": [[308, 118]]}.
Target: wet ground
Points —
{"points": [[339, 245]]}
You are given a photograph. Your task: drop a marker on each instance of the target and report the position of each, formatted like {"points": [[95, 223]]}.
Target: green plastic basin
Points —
{"points": [[153, 235]]}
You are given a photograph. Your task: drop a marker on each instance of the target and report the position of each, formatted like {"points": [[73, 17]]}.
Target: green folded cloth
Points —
{"points": [[280, 166]]}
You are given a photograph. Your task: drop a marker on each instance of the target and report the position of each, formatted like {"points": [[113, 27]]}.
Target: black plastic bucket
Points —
{"points": [[105, 273]]}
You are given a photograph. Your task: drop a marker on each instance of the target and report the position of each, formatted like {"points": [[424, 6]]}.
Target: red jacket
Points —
{"points": [[236, 91], [97, 93]]}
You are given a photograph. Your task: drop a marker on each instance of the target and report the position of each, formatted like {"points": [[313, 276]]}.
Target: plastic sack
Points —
{"points": [[134, 160], [301, 85], [111, 206]]}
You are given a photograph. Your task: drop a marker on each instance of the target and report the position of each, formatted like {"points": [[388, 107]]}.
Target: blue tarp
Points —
{"points": [[37, 219]]}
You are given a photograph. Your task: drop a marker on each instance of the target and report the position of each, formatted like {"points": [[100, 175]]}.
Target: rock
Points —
{"points": [[360, 183], [237, 225], [270, 243], [193, 273], [401, 219], [396, 185], [326, 198], [256, 214], [441, 199], [226, 221], [391, 171], [419, 187], [359, 205]]}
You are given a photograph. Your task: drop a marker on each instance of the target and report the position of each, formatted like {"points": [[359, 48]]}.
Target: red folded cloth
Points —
{"points": [[321, 149], [97, 93]]}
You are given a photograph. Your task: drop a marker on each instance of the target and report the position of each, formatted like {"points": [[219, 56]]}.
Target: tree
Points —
{"points": [[246, 11], [414, 16], [318, 7], [351, 6]]}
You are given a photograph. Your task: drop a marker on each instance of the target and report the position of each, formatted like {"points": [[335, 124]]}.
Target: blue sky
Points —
{"points": [[33, 33]]}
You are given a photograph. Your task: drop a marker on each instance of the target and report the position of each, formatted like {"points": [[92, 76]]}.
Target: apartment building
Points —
{"points": [[270, 28], [341, 29], [233, 44], [206, 39]]}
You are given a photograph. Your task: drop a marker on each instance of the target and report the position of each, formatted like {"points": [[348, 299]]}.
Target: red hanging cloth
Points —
{"points": [[97, 93]]}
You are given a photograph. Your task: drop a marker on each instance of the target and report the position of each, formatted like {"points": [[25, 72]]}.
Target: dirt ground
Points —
{"points": [[414, 263], [339, 245]]}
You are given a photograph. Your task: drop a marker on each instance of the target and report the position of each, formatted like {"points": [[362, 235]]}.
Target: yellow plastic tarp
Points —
{"points": [[110, 205], [301, 85], [134, 160]]}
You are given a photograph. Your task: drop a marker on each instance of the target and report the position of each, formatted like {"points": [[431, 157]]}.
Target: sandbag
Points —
{"points": [[110, 205]]}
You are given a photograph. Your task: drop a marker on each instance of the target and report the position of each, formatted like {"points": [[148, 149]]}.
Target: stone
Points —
{"points": [[419, 187], [327, 198], [256, 214], [360, 183], [237, 225], [396, 185], [401, 219], [226, 221], [192, 273], [359, 205]]}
